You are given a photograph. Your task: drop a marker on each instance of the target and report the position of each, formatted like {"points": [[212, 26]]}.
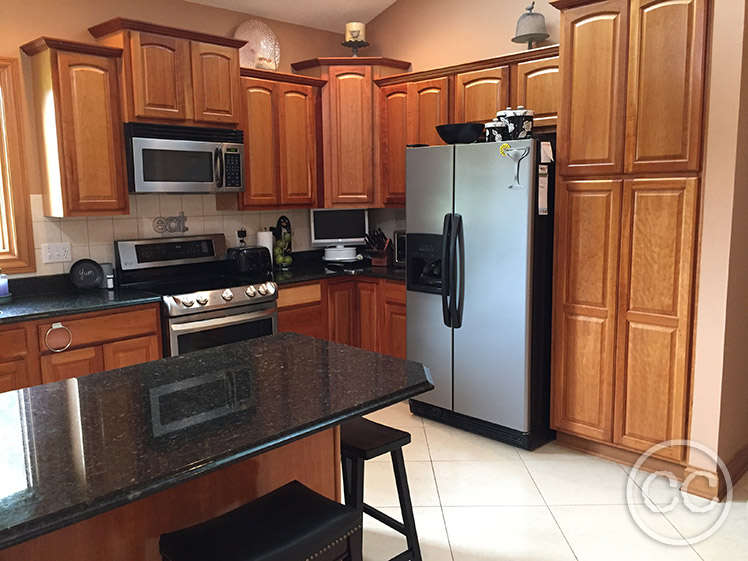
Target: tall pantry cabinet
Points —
{"points": [[629, 146]]}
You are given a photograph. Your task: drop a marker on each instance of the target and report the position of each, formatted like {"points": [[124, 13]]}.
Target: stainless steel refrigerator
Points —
{"points": [[479, 244]]}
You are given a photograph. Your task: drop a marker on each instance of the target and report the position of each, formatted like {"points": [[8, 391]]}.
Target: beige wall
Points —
{"points": [[733, 433], [24, 20], [719, 263], [433, 33]]}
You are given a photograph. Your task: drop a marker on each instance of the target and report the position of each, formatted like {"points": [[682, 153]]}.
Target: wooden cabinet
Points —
{"points": [[71, 364], [348, 136], [341, 313], [654, 310], [593, 91], [538, 87], [77, 345], [303, 309], [131, 351], [667, 46], [393, 132], [19, 361], [175, 75], [348, 131], [394, 322], [215, 83], [281, 153], [160, 72], [480, 94], [77, 99], [428, 107], [584, 302], [369, 311]]}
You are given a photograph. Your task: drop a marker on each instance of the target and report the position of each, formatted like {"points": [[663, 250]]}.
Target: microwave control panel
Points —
{"points": [[233, 176]]}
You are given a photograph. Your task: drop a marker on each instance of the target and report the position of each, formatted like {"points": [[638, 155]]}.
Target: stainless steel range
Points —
{"points": [[207, 300]]}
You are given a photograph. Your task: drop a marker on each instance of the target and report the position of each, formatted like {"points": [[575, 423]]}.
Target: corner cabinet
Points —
{"points": [[281, 140], [348, 132], [77, 101], [175, 75]]}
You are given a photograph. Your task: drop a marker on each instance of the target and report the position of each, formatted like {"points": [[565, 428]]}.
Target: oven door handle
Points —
{"points": [[201, 325]]}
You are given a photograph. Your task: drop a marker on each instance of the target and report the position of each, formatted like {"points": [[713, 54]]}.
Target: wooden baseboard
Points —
{"points": [[737, 467], [698, 486]]}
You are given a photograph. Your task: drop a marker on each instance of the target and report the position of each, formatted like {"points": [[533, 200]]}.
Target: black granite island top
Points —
{"points": [[80, 447]]}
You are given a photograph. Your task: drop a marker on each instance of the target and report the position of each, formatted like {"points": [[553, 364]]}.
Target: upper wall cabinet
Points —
{"points": [[643, 112], [480, 94], [538, 87], [665, 85], [593, 92], [77, 99], [175, 75], [280, 123], [412, 105], [348, 131]]}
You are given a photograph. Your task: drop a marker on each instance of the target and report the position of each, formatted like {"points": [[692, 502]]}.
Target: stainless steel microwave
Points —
{"points": [[173, 159]]}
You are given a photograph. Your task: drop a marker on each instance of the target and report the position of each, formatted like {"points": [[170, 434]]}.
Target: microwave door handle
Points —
{"points": [[201, 325], [218, 167]]}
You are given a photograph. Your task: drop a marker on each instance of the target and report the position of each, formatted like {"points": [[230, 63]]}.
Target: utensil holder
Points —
{"points": [[380, 258]]}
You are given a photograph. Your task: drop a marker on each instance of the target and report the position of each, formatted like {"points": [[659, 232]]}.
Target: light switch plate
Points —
{"points": [[56, 252]]}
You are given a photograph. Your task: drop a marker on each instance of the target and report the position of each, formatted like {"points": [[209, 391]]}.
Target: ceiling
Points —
{"points": [[330, 15]]}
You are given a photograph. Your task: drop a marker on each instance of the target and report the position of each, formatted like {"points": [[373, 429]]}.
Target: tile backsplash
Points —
{"points": [[93, 237]]}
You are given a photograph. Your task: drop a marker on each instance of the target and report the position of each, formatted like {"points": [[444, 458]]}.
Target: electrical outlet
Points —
{"points": [[56, 252]]}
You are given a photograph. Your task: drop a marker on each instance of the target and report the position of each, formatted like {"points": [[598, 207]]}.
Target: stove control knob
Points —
{"points": [[227, 295], [202, 299], [188, 301], [251, 291], [271, 288], [263, 289]]}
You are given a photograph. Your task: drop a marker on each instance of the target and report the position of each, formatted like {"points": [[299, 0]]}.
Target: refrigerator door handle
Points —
{"points": [[458, 284], [446, 269]]}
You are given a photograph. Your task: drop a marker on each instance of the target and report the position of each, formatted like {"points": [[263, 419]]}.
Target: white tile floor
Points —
{"points": [[478, 500]]}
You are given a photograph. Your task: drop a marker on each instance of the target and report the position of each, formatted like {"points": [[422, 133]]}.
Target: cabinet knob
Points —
{"points": [[58, 325]]}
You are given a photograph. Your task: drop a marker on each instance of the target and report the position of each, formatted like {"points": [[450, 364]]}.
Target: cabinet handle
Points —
{"points": [[58, 325]]}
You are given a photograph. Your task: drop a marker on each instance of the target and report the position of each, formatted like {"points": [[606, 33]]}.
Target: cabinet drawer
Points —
{"points": [[298, 295], [97, 329], [12, 344]]}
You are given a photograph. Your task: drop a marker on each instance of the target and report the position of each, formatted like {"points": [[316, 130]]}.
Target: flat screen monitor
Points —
{"points": [[338, 226]]}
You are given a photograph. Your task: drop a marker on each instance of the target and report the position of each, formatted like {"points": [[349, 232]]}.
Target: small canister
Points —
{"points": [[496, 131], [522, 119], [505, 117]]}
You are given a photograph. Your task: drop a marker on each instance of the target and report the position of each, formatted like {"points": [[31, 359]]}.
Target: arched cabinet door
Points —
{"points": [[665, 85], [593, 88], [297, 139], [393, 114], [480, 94], [160, 73], [427, 108], [539, 88], [215, 83]]}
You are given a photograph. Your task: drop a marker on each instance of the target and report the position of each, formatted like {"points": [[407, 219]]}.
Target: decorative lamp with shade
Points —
{"points": [[530, 28]]}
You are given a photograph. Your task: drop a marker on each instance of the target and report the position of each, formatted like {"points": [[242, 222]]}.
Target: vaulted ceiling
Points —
{"points": [[330, 15]]}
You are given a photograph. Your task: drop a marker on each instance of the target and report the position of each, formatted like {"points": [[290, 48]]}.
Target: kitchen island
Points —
{"points": [[97, 467]]}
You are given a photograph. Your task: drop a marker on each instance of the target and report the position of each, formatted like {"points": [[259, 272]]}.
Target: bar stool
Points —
{"points": [[362, 440], [292, 523]]}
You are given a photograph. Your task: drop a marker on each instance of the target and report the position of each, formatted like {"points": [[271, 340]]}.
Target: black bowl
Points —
{"points": [[460, 133]]}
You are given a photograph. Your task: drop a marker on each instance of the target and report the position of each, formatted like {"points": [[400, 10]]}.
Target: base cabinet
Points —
{"points": [[303, 309], [394, 320], [341, 312]]}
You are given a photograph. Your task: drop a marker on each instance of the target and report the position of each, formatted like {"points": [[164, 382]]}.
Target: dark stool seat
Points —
{"points": [[292, 523], [361, 440]]}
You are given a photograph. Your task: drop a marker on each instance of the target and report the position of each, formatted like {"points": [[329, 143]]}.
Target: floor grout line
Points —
{"points": [[436, 484], [550, 511]]}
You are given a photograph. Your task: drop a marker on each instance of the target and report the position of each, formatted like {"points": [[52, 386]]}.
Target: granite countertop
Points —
{"points": [[42, 297], [24, 308], [304, 271], [80, 447]]}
